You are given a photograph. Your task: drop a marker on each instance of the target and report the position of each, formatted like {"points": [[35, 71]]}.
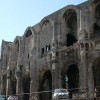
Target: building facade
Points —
{"points": [[61, 51]]}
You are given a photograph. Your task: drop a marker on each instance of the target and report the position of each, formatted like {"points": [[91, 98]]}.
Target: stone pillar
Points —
{"points": [[19, 82], [91, 18], [90, 72], [1, 91], [90, 81], [19, 70], [60, 63], [34, 71], [83, 68], [82, 20], [18, 87], [55, 72], [58, 30], [8, 88], [55, 80]]}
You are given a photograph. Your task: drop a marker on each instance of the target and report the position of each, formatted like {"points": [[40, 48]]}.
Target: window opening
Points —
{"points": [[42, 50], [47, 48], [70, 40], [28, 55]]}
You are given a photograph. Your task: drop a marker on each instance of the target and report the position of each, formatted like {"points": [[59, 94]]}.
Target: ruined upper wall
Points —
{"points": [[5, 52], [39, 37], [58, 18], [53, 16]]}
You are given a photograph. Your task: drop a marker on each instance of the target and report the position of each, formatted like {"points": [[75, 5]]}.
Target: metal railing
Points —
{"points": [[76, 94]]}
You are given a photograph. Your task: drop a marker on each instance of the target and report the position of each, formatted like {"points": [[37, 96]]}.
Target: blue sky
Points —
{"points": [[17, 15]]}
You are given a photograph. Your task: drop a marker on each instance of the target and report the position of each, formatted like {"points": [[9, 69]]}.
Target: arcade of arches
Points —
{"points": [[71, 35], [72, 73]]}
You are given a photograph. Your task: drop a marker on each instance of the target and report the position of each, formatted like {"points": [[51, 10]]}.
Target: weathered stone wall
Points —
{"points": [[63, 44]]}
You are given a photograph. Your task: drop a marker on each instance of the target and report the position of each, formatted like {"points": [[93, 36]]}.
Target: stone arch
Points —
{"points": [[45, 84], [29, 31], [75, 8], [26, 85], [70, 23], [16, 49], [17, 43], [17, 39], [70, 77], [27, 38], [28, 44], [96, 9], [44, 21], [96, 75], [45, 33]]}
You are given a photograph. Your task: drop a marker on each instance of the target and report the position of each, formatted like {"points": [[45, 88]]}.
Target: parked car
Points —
{"points": [[60, 94], [12, 98], [2, 97]]}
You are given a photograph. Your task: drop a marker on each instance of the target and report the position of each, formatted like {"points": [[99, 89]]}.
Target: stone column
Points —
{"points": [[58, 31], [19, 82], [55, 80], [1, 91], [90, 72], [8, 88], [19, 70], [90, 81], [83, 68], [34, 81], [34, 69], [18, 87], [60, 63], [91, 18]]}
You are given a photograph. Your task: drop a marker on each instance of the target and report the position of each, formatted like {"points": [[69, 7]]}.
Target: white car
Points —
{"points": [[12, 98], [60, 94]]}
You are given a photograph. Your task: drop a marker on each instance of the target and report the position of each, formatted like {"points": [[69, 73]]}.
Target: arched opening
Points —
{"points": [[17, 46], [46, 86], [71, 26], [70, 79], [70, 39], [16, 50], [96, 74], [97, 19], [13, 81], [26, 87], [13, 85], [29, 32]]}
